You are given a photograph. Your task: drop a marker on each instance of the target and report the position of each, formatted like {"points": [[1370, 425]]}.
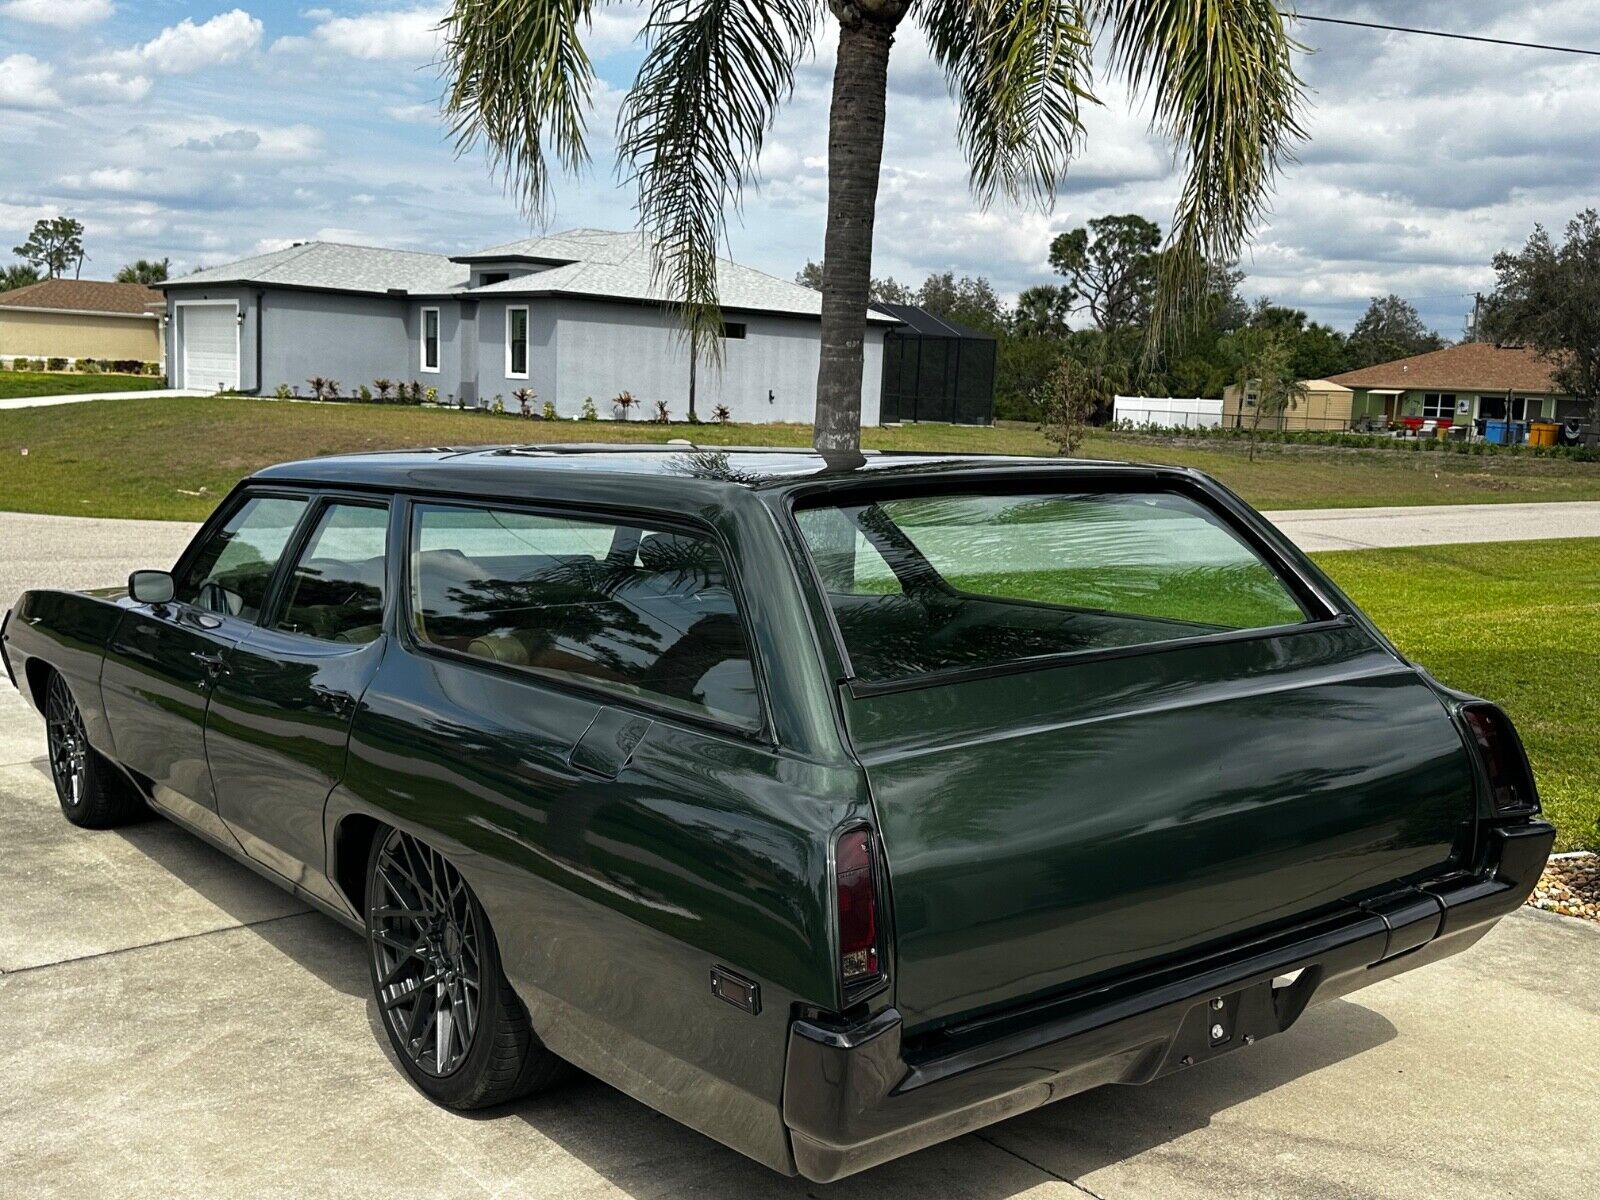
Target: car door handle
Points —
{"points": [[332, 698], [211, 662]]}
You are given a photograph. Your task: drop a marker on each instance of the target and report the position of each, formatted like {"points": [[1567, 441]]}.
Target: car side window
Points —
{"points": [[644, 612], [234, 566], [335, 591]]}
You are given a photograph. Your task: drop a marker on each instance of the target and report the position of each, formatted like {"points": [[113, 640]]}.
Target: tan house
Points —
{"points": [[82, 318], [1325, 405], [1458, 386]]}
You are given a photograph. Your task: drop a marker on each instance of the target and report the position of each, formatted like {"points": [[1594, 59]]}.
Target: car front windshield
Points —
{"points": [[955, 581]]}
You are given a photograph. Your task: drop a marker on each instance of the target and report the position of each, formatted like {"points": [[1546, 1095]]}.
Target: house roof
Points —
{"points": [[592, 263], [1469, 367], [84, 295], [333, 266]]}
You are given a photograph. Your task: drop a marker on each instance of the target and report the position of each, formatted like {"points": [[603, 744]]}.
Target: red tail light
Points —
{"points": [[858, 908], [1511, 788]]}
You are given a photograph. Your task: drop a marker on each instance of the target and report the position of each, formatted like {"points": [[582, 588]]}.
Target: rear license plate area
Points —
{"points": [[1228, 1021]]}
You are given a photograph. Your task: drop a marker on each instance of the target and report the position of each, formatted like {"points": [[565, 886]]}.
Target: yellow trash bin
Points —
{"points": [[1543, 433]]}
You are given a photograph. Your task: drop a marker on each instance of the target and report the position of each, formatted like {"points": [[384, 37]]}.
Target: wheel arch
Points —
{"points": [[352, 845]]}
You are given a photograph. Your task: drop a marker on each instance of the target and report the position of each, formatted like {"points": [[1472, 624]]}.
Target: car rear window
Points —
{"points": [[948, 582], [648, 613]]}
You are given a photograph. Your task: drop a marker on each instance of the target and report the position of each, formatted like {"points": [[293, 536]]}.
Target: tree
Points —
{"points": [[1069, 399], [1042, 311], [1267, 377], [1217, 73], [144, 271], [17, 275], [1391, 328], [1112, 268], [1548, 297], [55, 244], [970, 300], [882, 291]]}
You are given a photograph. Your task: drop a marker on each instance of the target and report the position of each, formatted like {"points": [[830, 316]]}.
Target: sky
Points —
{"points": [[206, 132]]}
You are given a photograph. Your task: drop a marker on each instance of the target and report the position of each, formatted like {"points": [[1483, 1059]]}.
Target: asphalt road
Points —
{"points": [[1433, 525], [175, 1026]]}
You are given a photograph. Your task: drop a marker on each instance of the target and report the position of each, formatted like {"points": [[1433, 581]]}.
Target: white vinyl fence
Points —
{"points": [[1168, 411]]}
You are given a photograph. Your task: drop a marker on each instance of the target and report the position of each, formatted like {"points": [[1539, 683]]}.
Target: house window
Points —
{"points": [[1438, 406], [430, 339], [517, 343], [734, 330]]}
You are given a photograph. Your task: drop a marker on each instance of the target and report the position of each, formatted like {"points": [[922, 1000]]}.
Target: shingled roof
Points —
{"points": [[84, 295], [1469, 367]]}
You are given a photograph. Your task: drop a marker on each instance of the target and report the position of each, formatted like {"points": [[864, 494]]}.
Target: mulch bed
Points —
{"points": [[1570, 885]]}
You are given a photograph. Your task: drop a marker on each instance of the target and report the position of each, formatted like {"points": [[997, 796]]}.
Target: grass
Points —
{"points": [[14, 384], [1517, 623], [174, 458]]}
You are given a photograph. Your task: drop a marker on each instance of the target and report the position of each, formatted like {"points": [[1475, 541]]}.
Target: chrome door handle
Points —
{"points": [[332, 698], [211, 662]]}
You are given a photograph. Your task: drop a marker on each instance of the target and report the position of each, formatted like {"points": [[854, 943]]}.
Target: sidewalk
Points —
{"points": [[1434, 525], [46, 401]]}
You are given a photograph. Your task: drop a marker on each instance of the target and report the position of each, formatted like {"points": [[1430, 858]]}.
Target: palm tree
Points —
{"points": [[1217, 72]]}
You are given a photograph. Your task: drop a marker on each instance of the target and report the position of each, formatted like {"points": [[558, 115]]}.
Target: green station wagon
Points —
{"points": [[832, 809]]}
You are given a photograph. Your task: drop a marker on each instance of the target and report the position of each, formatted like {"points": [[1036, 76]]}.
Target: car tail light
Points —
{"points": [[1511, 788], [858, 908]]}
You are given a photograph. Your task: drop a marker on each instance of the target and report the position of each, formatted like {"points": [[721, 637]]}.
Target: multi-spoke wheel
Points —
{"points": [[453, 1019], [91, 792]]}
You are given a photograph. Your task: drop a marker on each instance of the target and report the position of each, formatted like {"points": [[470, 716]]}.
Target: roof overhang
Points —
{"points": [[543, 259], [74, 312]]}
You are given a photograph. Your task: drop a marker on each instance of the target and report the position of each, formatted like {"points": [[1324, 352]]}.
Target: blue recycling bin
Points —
{"points": [[1495, 431]]}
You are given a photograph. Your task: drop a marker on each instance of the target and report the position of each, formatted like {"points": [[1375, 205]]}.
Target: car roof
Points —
{"points": [[681, 464]]}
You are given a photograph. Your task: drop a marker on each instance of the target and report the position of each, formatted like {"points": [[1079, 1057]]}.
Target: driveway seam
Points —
{"points": [[182, 937], [1040, 1167]]}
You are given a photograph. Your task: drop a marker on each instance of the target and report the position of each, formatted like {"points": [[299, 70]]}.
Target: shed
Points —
{"points": [[936, 369]]}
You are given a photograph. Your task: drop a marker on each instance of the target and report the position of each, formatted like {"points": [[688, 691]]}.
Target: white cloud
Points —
{"points": [[25, 83], [411, 33], [109, 87], [63, 14], [419, 114], [185, 47]]}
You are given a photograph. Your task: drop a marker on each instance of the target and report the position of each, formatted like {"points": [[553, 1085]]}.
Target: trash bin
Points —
{"points": [[1495, 431], [1543, 433], [1517, 432]]}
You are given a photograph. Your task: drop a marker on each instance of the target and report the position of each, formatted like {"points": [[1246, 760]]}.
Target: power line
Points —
{"points": [[1440, 33]]}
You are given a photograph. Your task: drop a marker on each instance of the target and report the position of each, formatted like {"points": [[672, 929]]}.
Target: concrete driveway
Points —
{"points": [[175, 1026]]}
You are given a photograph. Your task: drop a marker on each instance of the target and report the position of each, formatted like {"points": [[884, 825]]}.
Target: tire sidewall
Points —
{"points": [[462, 1087]]}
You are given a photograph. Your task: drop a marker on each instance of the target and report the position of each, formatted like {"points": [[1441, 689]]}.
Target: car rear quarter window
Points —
{"points": [[646, 613], [948, 582]]}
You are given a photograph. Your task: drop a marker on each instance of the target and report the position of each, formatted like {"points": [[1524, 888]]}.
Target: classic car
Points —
{"points": [[833, 808]]}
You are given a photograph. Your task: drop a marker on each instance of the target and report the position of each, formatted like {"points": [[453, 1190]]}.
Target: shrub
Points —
{"points": [[623, 402], [56, 364], [365, 394], [549, 410], [589, 413], [721, 415], [431, 395], [384, 386], [525, 398], [416, 392], [88, 366], [318, 386], [282, 392], [152, 369], [663, 414], [498, 404], [333, 389], [22, 364]]}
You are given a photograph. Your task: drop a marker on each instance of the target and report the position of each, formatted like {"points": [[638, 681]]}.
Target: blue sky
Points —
{"points": [[205, 132]]}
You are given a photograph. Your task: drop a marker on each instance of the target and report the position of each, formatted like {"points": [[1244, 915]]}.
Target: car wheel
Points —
{"points": [[91, 791], [453, 1019]]}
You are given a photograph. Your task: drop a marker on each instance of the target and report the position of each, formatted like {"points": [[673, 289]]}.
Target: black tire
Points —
{"points": [[93, 794], [431, 952]]}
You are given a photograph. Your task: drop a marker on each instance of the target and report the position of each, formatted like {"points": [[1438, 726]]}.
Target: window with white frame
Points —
{"points": [[1438, 406], [517, 342], [430, 339]]}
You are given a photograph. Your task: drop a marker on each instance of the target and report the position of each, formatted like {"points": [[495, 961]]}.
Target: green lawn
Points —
{"points": [[14, 384], [174, 458], [1517, 623]]}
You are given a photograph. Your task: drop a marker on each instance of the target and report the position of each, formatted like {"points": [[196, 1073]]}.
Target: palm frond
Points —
{"points": [[692, 128], [1224, 89], [1019, 71], [520, 81]]}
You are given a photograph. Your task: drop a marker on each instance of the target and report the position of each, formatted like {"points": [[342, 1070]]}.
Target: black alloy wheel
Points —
{"points": [[454, 1020], [92, 791]]}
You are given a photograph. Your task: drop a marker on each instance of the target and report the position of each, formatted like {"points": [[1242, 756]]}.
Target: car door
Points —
{"points": [[281, 709], [162, 660]]}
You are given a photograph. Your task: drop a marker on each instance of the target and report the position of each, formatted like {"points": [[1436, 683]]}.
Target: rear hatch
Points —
{"points": [[1047, 828], [1105, 723]]}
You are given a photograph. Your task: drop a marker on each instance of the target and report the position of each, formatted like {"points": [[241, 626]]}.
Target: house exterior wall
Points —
{"points": [[1410, 404], [25, 334], [594, 349]]}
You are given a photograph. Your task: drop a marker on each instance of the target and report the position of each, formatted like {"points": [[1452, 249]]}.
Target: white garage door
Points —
{"points": [[210, 346]]}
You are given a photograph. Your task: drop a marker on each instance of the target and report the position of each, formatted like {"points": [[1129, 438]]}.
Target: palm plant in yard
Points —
{"points": [[1217, 73]]}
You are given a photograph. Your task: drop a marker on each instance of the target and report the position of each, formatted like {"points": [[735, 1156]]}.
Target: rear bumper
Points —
{"points": [[858, 1095]]}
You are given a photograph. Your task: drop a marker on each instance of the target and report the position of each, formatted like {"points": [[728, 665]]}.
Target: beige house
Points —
{"points": [[81, 318], [1325, 405]]}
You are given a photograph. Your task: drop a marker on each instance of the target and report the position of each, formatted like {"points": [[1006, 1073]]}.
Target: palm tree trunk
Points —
{"points": [[855, 154]]}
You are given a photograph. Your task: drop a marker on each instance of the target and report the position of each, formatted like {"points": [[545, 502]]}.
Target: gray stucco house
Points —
{"points": [[571, 316]]}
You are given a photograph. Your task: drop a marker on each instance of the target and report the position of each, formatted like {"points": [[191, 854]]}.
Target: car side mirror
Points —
{"points": [[151, 587]]}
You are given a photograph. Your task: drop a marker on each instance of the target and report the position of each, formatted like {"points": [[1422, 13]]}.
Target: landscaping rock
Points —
{"points": [[1570, 885]]}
